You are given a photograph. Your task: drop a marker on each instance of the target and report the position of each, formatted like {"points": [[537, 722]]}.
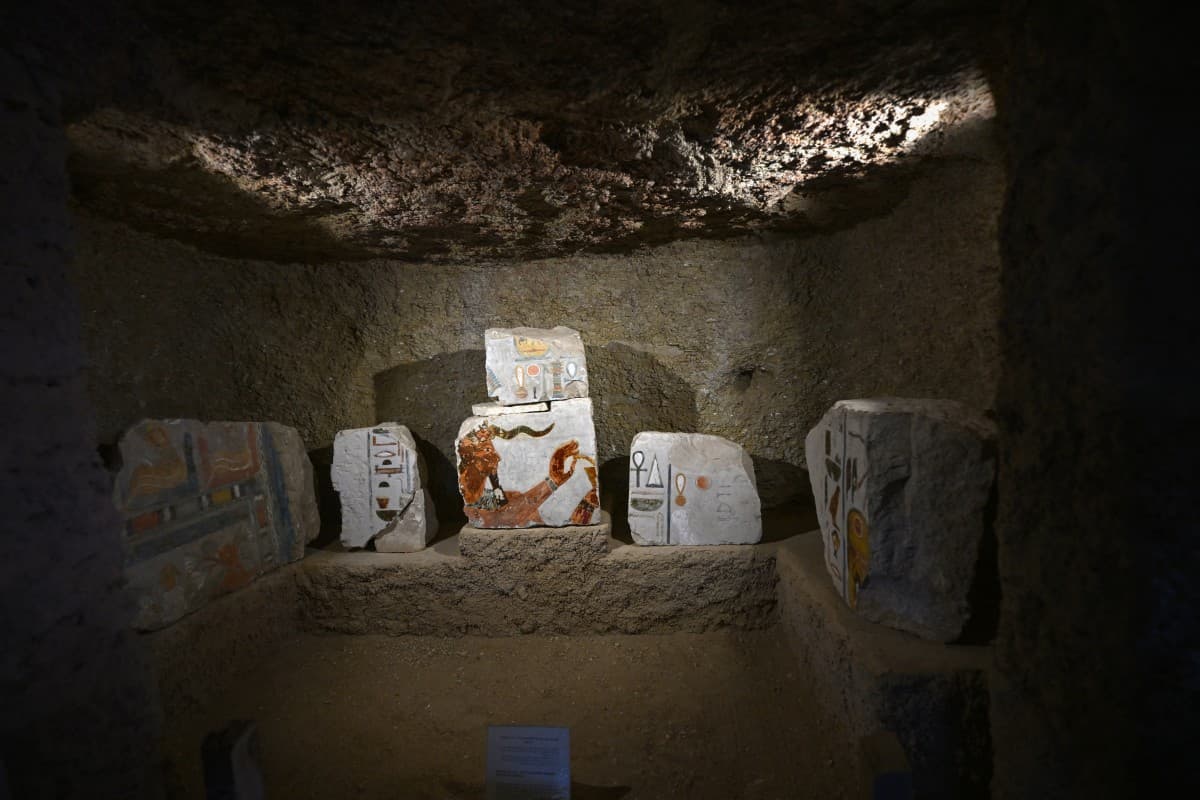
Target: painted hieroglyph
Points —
{"points": [[208, 508], [525, 470], [531, 365], [379, 476], [692, 489], [839, 481], [903, 488]]}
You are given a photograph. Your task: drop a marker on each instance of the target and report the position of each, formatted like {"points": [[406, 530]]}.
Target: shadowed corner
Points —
{"points": [[788, 508], [614, 493], [985, 593], [329, 505], [443, 485], [432, 397], [633, 392]]}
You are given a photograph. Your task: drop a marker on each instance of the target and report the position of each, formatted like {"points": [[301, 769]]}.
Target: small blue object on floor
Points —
{"points": [[528, 762]]}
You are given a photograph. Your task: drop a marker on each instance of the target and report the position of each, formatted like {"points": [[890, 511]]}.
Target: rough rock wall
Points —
{"points": [[77, 719], [1097, 679], [751, 339]]}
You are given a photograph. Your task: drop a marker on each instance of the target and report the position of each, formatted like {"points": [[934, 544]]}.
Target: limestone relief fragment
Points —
{"points": [[691, 489], [902, 489]]}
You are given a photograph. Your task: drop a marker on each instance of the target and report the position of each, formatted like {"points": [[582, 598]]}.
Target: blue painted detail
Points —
{"points": [[160, 540], [183, 511], [285, 529]]}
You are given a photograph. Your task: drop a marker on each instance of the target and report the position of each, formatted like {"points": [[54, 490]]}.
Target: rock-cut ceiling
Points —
{"points": [[484, 130]]}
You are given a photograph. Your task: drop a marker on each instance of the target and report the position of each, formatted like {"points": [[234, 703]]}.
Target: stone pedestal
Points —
{"points": [[691, 489], [530, 469], [572, 580], [379, 476], [903, 490], [575, 543], [209, 507], [933, 698]]}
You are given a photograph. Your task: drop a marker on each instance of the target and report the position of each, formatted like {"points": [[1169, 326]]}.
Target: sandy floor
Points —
{"points": [[719, 715]]}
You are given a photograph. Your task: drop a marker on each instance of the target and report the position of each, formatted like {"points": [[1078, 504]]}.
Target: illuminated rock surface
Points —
{"points": [[691, 488], [903, 491], [379, 476], [461, 132], [533, 469]]}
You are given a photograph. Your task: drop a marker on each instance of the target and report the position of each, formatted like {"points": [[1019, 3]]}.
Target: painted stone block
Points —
{"points": [[379, 475], [414, 530], [692, 489], [208, 507], [524, 470], [903, 492], [531, 365]]}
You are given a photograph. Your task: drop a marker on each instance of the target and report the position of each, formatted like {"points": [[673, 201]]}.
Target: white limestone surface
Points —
{"points": [[903, 491], [495, 409], [692, 489], [531, 469], [531, 365], [377, 472], [413, 530]]}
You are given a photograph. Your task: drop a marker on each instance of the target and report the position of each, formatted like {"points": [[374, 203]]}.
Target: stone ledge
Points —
{"points": [[504, 591], [197, 657], [934, 697]]}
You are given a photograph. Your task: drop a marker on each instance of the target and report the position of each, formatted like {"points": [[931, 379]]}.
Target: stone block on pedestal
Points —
{"points": [[903, 489], [691, 489], [530, 469], [379, 476], [209, 507], [529, 365]]}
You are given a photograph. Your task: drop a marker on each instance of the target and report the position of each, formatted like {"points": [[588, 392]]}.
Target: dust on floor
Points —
{"points": [[717, 715]]}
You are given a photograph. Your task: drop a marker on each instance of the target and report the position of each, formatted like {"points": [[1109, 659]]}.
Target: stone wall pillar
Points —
{"points": [[79, 719], [1097, 534]]}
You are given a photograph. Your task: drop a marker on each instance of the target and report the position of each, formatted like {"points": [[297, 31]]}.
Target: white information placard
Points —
{"points": [[527, 762]]}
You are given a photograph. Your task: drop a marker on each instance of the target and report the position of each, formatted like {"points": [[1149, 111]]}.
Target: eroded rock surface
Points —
{"points": [[903, 489], [455, 131]]}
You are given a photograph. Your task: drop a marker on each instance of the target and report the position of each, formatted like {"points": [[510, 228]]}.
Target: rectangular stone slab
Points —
{"points": [[526, 470], [495, 409], [209, 507], [530, 365], [902, 489], [691, 489], [379, 474]]}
